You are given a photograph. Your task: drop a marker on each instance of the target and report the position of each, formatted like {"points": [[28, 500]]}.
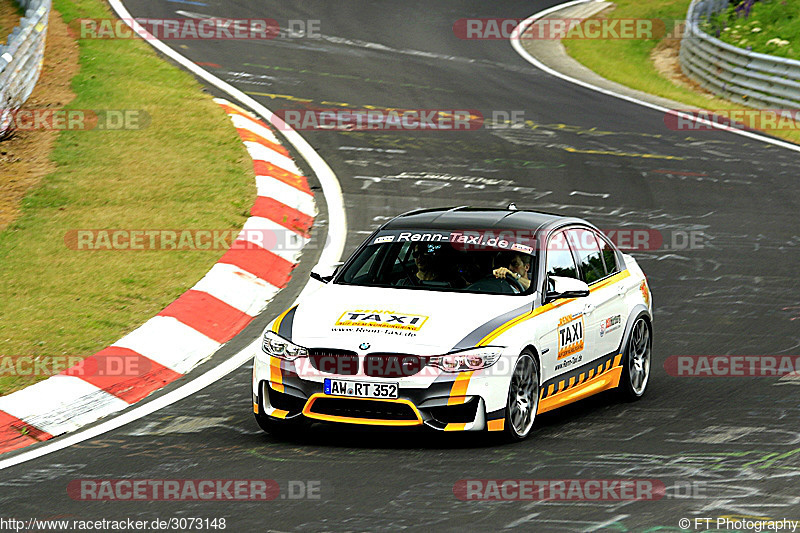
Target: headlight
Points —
{"points": [[276, 346], [472, 359]]}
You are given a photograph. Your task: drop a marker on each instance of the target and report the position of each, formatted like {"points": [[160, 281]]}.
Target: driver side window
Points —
{"points": [[559, 257]]}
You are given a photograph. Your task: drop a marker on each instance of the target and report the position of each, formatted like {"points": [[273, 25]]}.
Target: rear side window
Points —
{"points": [[609, 256], [590, 262], [559, 257]]}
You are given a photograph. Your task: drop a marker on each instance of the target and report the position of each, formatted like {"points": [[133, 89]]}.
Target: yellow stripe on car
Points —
{"points": [[459, 389], [277, 324], [549, 307], [275, 374]]}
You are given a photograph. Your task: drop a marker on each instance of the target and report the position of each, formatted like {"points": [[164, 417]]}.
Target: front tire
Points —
{"points": [[523, 397], [636, 365]]}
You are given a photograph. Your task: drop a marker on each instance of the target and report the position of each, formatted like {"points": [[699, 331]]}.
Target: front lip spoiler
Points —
{"points": [[308, 413]]}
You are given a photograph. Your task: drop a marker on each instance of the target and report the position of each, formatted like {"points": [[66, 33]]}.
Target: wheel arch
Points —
{"points": [[536, 357], [639, 310]]}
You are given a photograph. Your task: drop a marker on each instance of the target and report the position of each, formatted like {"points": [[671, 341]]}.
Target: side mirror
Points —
{"points": [[325, 273], [558, 287]]}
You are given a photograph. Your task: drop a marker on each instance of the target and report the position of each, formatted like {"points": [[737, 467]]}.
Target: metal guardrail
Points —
{"points": [[753, 79], [21, 60]]}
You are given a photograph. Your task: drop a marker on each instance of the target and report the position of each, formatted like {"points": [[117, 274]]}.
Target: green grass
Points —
{"points": [[627, 61], [187, 169], [770, 27]]}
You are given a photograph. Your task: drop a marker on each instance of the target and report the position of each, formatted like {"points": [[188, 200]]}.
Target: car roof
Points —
{"points": [[475, 218]]}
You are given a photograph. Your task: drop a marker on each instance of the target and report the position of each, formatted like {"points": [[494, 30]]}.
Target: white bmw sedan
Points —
{"points": [[460, 319]]}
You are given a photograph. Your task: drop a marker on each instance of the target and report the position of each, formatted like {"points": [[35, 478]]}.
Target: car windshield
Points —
{"points": [[478, 261]]}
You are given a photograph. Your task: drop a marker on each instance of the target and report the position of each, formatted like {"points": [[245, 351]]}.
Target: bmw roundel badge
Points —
{"points": [[364, 346]]}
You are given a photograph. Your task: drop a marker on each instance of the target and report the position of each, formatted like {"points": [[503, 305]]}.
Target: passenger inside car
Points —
{"points": [[436, 265]]}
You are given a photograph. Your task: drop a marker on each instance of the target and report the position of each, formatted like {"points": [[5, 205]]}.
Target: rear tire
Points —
{"points": [[636, 361], [523, 397]]}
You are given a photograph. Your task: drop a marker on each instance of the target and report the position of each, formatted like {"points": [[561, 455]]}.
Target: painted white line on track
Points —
{"points": [[337, 222], [517, 45], [331, 253]]}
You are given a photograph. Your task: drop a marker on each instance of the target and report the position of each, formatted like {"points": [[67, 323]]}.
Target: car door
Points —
{"points": [[604, 308], [563, 338]]}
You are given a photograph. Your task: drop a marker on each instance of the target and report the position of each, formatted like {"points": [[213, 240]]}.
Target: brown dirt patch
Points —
{"points": [[9, 18], [666, 61], [25, 156]]}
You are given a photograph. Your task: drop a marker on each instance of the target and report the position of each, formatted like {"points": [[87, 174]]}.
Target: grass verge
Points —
{"points": [[186, 169], [629, 61], [768, 27]]}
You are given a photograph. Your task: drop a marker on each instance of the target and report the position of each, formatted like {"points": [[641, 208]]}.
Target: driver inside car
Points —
{"points": [[516, 264], [435, 266], [429, 262]]}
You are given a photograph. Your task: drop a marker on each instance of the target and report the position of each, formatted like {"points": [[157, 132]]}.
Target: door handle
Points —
{"points": [[620, 290], [588, 308]]}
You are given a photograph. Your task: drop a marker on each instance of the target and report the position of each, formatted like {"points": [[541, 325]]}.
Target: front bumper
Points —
{"points": [[464, 401]]}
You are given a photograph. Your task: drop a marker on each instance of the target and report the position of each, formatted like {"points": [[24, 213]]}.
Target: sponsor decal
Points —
{"points": [[645, 293], [524, 248], [610, 324], [569, 362], [384, 238], [570, 335], [371, 318], [526, 241]]}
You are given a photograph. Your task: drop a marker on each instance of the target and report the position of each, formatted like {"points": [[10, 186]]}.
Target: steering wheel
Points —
{"points": [[516, 285], [506, 285], [411, 277]]}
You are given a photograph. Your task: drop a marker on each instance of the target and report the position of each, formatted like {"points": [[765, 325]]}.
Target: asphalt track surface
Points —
{"points": [[723, 446]]}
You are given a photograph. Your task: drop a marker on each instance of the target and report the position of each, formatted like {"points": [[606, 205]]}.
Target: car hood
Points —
{"points": [[400, 320]]}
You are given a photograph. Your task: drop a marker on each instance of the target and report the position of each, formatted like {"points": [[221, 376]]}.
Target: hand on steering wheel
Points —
{"points": [[515, 284], [506, 275]]}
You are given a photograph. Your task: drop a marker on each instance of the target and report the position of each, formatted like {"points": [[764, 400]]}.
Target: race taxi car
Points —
{"points": [[459, 319]]}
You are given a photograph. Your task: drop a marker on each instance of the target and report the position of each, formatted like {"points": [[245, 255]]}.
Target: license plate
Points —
{"points": [[360, 389]]}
